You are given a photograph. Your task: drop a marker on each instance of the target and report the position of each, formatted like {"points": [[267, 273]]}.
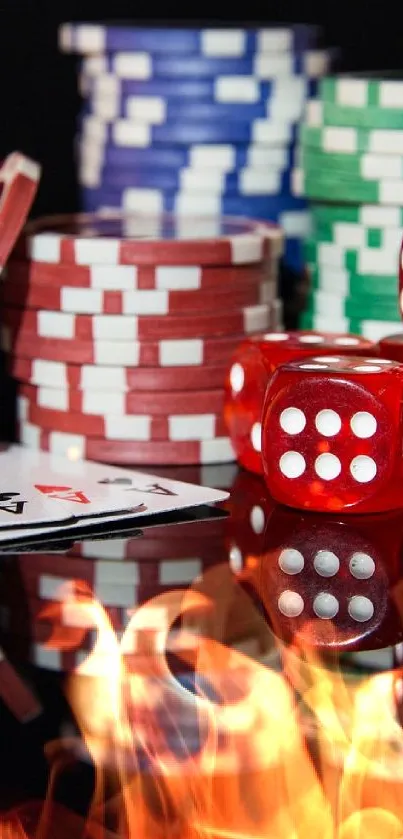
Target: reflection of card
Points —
{"points": [[40, 490]]}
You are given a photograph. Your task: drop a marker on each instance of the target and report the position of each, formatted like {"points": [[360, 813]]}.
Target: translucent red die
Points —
{"points": [[332, 434], [333, 582], [392, 347], [253, 364]]}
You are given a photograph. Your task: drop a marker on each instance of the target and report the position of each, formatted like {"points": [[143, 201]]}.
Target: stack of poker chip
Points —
{"points": [[195, 120], [352, 173], [120, 329]]}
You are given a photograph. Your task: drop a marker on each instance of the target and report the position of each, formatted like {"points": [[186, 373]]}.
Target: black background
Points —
{"points": [[38, 86]]}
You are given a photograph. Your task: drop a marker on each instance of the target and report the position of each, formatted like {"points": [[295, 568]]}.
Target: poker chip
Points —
{"points": [[135, 427], [345, 284], [374, 329], [142, 328], [19, 179], [76, 446], [55, 374], [263, 66], [100, 38], [138, 402], [160, 277], [351, 171], [123, 239], [143, 302]]}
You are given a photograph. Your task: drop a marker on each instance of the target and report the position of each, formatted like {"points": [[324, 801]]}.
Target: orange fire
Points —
{"points": [[274, 744]]}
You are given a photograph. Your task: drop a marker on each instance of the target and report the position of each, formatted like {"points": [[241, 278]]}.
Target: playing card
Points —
{"points": [[40, 490]]}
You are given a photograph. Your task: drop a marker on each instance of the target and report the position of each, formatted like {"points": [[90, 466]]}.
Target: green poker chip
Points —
{"points": [[367, 215], [331, 305], [362, 117], [358, 262], [353, 285], [348, 141], [363, 90], [366, 167], [372, 329], [338, 187], [344, 234]]}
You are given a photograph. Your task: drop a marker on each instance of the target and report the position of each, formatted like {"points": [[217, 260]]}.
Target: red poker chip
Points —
{"points": [[125, 239], [18, 697], [52, 373], [195, 351], [124, 427], [178, 281], [19, 178], [50, 324], [132, 402], [217, 450]]}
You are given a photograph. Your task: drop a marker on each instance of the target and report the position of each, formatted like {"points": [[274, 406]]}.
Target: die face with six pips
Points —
{"points": [[252, 366], [332, 434], [333, 581]]}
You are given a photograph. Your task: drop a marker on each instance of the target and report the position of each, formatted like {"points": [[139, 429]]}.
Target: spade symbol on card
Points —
{"points": [[116, 482], [14, 507], [63, 493]]}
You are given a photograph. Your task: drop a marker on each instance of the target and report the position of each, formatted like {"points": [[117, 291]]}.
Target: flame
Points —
{"points": [[223, 746]]}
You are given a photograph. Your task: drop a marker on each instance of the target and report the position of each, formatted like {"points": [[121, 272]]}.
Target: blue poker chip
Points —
{"points": [[262, 66], [158, 201], [294, 254], [127, 133], [224, 158], [237, 42], [162, 111], [246, 182], [227, 90]]}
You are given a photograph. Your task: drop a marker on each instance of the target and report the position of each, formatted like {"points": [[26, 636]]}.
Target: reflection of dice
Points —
{"points": [[333, 581], [250, 506], [253, 364], [332, 434]]}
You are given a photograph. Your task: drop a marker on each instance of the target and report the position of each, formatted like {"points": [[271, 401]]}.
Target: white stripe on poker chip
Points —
{"points": [[374, 330], [391, 192], [296, 224], [373, 261], [314, 113], [381, 166], [131, 427], [104, 379], [352, 92], [173, 353], [189, 427]]}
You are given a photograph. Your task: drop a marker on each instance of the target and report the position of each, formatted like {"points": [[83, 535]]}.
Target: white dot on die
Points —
{"points": [[313, 367], [292, 420], [367, 368], [346, 342], [257, 520], [325, 605], [276, 336], [290, 604], [292, 464], [311, 339], [327, 466], [361, 566], [256, 436], [383, 360], [363, 469], [361, 608], [235, 558], [328, 422], [237, 377], [363, 425], [326, 563], [291, 561], [327, 359]]}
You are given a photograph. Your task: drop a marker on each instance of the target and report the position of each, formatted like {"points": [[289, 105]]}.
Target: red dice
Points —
{"points": [[332, 434], [333, 582], [252, 366], [392, 347]]}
